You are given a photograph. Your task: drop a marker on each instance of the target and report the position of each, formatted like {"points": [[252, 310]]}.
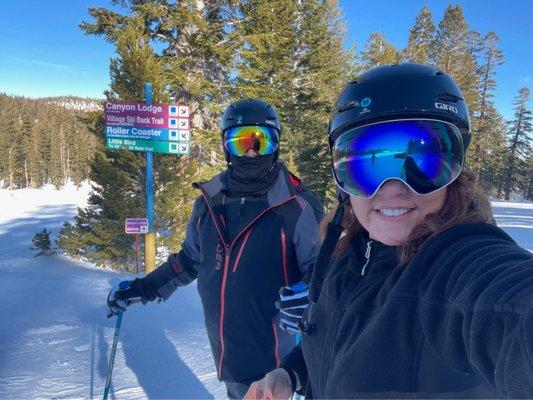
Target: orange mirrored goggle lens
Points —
{"points": [[263, 140]]}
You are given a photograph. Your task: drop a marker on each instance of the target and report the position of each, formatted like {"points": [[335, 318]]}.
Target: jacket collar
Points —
{"points": [[381, 256], [285, 186]]}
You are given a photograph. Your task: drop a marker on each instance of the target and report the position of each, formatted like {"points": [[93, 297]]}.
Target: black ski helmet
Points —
{"points": [[400, 91], [250, 112]]}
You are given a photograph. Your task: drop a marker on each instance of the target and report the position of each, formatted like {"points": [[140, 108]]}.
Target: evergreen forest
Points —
{"points": [[45, 141], [207, 53]]}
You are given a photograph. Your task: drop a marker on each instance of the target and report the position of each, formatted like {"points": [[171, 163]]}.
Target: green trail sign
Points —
{"points": [[147, 145]]}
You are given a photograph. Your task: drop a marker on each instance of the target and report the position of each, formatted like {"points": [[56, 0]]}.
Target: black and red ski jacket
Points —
{"points": [[239, 280]]}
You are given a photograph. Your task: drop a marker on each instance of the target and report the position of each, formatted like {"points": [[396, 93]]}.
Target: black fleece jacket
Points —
{"points": [[456, 322]]}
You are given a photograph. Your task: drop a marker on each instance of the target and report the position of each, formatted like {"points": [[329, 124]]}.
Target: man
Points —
{"points": [[253, 229]]}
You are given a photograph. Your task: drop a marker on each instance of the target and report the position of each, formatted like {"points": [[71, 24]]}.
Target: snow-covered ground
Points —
{"points": [[517, 220], [55, 338]]}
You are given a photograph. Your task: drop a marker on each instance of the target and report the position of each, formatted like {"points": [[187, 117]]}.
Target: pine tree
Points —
{"points": [[528, 181], [41, 241], [269, 63], [492, 151], [35, 154], [21, 145], [518, 144], [269, 60], [117, 193], [37, 142], [192, 64], [491, 57], [81, 148], [55, 144], [325, 68], [9, 120], [454, 54], [44, 129], [291, 55], [421, 45], [8, 130], [378, 51]]}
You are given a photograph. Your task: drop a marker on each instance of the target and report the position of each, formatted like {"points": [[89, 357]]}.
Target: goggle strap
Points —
{"points": [[323, 258]]}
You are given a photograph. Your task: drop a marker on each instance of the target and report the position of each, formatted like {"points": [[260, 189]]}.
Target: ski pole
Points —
{"points": [[112, 356]]}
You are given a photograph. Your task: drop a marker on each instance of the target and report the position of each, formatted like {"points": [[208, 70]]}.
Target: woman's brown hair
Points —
{"points": [[464, 202]]}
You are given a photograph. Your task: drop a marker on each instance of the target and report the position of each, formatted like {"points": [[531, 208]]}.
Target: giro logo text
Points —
{"points": [[442, 106]]}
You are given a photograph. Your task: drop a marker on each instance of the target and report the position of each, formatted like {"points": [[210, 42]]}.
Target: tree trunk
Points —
{"points": [[11, 171], [67, 166], [26, 178], [62, 155], [500, 189]]}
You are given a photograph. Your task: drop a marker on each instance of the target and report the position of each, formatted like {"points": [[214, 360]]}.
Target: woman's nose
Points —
{"points": [[393, 188]]}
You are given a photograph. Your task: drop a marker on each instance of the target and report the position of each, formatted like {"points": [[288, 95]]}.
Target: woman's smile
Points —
{"points": [[391, 214]]}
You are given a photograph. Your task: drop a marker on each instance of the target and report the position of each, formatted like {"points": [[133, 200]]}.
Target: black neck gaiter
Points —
{"points": [[251, 176]]}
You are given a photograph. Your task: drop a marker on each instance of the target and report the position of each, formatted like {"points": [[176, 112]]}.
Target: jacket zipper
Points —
{"points": [[332, 328], [228, 249], [367, 256], [221, 322], [284, 256], [330, 335], [245, 240]]}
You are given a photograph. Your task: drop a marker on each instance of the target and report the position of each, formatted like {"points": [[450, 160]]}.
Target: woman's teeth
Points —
{"points": [[394, 212]]}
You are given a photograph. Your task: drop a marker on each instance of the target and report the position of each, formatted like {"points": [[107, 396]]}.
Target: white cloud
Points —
{"points": [[37, 62], [525, 79]]}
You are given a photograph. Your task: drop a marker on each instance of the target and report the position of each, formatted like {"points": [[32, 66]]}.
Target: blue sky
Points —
{"points": [[511, 19], [45, 54]]}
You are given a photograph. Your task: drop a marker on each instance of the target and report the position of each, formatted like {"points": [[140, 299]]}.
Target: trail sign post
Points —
{"points": [[147, 127], [136, 226], [150, 128], [149, 238]]}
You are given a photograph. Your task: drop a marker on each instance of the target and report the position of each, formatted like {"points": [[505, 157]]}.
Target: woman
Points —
{"points": [[425, 296]]}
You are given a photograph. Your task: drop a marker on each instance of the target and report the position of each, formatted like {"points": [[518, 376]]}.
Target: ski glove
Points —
{"points": [[292, 304], [123, 295]]}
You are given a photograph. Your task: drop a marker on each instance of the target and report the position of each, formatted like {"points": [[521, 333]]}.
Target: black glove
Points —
{"points": [[123, 295], [292, 304]]}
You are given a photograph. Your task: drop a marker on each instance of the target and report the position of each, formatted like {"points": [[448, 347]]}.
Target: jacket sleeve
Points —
{"points": [[476, 308], [294, 364], [180, 268], [306, 234]]}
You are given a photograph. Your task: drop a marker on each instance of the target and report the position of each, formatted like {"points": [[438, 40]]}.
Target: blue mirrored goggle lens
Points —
{"points": [[425, 154], [263, 140]]}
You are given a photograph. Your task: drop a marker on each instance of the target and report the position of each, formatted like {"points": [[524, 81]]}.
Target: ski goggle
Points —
{"points": [[262, 139], [426, 155]]}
